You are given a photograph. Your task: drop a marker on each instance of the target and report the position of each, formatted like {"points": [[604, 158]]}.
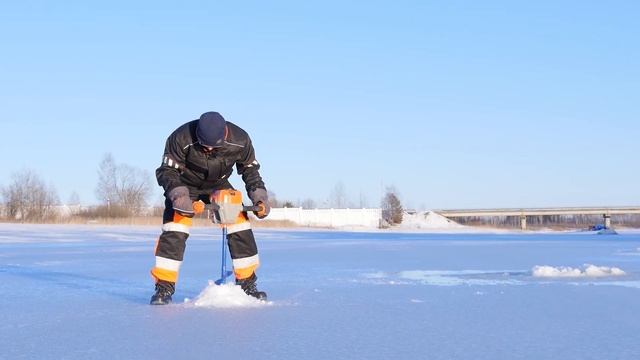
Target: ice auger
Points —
{"points": [[227, 209]]}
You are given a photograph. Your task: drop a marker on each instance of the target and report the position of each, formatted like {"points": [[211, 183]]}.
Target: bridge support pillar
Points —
{"points": [[607, 221], [523, 222]]}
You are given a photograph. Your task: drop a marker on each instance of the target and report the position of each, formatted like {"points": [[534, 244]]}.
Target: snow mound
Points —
{"points": [[428, 220], [226, 296], [589, 271]]}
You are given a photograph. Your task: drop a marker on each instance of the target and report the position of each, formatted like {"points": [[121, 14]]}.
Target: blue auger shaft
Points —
{"points": [[223, 275]]}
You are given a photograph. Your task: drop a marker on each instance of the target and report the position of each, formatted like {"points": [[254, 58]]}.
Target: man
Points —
{"points": [[198, 158]]}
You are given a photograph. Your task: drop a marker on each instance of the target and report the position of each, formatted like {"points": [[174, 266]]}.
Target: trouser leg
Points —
{"points": [[170, 247], [243, 248]]}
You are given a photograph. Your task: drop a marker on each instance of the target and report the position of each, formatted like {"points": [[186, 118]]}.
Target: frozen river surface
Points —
{"points": [[75, 292]]}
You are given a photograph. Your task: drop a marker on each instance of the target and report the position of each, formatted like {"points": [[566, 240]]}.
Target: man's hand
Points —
{"points": [[181, 201], [264, 210], [198, 207], [259, 197]]}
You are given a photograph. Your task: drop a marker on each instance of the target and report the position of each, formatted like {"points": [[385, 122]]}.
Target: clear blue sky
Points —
{"points": [[457, 103]]}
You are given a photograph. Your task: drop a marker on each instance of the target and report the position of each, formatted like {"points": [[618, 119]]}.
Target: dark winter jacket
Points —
{"points": [[185, 163]]}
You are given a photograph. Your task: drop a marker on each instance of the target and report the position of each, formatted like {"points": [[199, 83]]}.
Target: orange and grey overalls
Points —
{"points": [[184, 163]]}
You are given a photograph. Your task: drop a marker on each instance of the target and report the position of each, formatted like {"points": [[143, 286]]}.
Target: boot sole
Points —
{"points": [[159, 302]]}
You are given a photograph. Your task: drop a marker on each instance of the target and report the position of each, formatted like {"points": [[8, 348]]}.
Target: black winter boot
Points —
{"points": [[164, 290], [248, 285]]}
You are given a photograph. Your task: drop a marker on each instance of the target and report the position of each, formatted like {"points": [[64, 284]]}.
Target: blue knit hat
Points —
{"points": [[211, 129]]}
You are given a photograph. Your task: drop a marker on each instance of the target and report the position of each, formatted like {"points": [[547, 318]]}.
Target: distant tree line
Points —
{"points": [[123, 190], [392, 208], [568, 221], [28, 198]]}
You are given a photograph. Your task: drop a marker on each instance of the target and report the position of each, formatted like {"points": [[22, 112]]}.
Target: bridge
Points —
{"points": [[606, 212]]}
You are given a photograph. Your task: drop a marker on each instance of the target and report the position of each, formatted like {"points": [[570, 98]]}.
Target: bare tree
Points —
{"points": [[338, 196], [132, 187], [122, 185], [308, 204], [28, 198], [74, 199], [363, 200], [273, 199], [107, 177], [391, 206], [74, 203]]}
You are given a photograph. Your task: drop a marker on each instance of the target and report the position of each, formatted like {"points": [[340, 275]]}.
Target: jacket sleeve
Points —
{"points": [[249, 168], [173, 162]]}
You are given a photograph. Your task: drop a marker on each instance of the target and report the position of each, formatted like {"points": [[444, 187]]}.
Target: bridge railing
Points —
{"points": [[605, 212]]}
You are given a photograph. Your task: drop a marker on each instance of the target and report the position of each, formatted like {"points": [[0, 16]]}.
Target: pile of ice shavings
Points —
{"points": [[226, 296]]}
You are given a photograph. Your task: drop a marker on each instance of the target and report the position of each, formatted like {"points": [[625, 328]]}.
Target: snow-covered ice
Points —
{"points": [[82, 292]]}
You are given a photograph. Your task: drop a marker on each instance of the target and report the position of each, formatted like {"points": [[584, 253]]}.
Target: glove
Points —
{"points": [[259, 197], [198, 207], [181, 201]]}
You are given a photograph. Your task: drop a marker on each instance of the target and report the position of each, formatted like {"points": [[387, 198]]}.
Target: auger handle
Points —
{"points": [[216, 207], [255, 208]]}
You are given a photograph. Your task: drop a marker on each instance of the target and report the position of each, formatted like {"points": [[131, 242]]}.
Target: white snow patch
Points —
{"points": [[375, 275], [123, 237], [459, 277], [428, 220], [630, 252], [226, 296], [628, 284], [589, 271]]}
